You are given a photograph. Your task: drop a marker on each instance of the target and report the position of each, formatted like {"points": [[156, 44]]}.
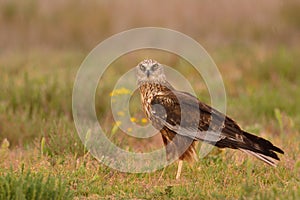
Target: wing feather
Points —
{"points": [[186, 115]]}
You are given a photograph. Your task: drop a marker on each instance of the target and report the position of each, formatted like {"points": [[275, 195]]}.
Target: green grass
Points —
{"points": [[36, 120], [28, 185]]}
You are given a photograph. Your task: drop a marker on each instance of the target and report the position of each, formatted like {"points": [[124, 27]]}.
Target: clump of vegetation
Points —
{"points": [[28, 185]]}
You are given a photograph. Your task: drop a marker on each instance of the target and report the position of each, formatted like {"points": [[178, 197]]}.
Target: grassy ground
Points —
{"points": [[42, 46], [40, 144]]}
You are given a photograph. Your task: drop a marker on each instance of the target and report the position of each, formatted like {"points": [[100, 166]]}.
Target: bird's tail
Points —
{"points": [[256, 146]]}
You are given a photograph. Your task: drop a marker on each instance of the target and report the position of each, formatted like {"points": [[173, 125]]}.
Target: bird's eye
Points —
{"points": [[142, 67], [154, 67]]}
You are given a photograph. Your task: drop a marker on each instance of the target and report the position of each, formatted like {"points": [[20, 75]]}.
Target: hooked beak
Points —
{"points": [[148, 73]]}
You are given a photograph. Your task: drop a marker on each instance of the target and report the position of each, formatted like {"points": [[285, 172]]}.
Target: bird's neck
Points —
{"points": [[151, 87], [149, 90]]}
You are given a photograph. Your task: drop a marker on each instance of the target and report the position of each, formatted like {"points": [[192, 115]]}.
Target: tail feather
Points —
{"points": [[254, 145], [263, 143], [266, 159]]}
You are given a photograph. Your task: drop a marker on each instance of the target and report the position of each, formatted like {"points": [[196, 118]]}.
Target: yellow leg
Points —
{"points": [[180, 162]]}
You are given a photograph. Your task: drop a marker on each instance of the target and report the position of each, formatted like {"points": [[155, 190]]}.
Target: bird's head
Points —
{"points": [[150, 71]]}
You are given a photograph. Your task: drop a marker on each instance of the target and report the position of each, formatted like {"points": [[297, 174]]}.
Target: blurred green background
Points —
{"points": [[42, 44], [35, 25], [255, 45]]}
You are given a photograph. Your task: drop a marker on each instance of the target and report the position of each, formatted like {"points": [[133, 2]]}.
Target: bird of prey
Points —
{"points": [[183, 120]]}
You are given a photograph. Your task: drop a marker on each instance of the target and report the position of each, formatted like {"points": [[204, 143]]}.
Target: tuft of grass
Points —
{"points": [[28, 185]]}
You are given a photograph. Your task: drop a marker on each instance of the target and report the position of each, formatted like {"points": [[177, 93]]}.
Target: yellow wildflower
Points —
{"points": [[121, 113], [133, 119], [144, 120], [117, 123], [120, 91]]}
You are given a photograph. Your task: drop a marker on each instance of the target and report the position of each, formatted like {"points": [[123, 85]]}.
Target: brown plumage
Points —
{"points": [[183, 120]]}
